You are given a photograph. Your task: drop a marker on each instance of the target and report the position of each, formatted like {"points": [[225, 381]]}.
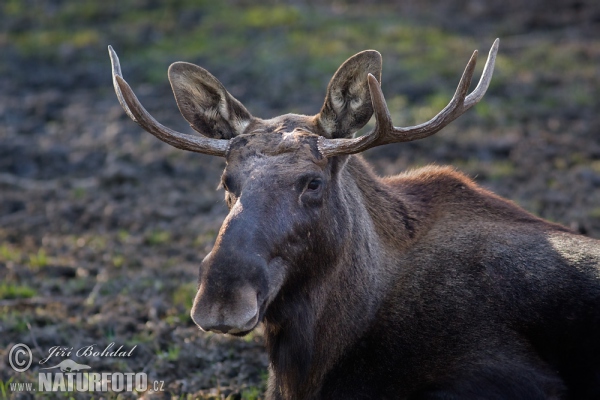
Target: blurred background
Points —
{"points": [[102, 226]]}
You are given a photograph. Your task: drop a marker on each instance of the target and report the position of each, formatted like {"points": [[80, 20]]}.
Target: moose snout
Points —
{"points": [[233, 312], [236, 278]]}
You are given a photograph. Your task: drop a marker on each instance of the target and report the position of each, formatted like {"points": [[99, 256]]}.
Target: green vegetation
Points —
{"points": [[78, 193], [14, 291], [252, 393], [118, 261], [38, 260], [171, 354], [158, 237], [258, 37], [183, 296], [15, 321], [595, 213], [277, 44], [4, 387], [123, 235], [256, 392], [9, 253], [205, 239]]}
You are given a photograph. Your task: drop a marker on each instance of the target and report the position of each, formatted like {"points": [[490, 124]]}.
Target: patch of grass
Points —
{"points": [[256, 392], [76, 286], [118, 260], [307, 43], [97, 243], [123, 235], [595, 166], [578, 159], [78, 193], [109, 333], [9, 253], [224, 34], [595, 213], [14, 291], [253, 336], [143, 337], [4, 387], [183, 296], [252, 393], [484, 110], [267, 17], [38, 260], [15, 321], [172, 320], [158, 237], [206, 238], [501, 169], [172, 353]]}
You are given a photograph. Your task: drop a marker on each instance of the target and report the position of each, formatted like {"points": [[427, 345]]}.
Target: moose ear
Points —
{"points": [[347, 106], [205, 104]]}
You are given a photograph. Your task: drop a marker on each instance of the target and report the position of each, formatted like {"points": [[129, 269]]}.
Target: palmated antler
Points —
{"points": [[135, 110], [385, 132]]}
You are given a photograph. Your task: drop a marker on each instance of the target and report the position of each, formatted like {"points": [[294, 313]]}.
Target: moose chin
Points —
{"points": [[416, 286]]}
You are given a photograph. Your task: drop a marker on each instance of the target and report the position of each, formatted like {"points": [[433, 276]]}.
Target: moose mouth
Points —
{"points": [[248, 327], [240, 333]]}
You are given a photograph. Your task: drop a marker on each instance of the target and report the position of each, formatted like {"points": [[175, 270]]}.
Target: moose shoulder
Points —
{"points": [[421, 285]]}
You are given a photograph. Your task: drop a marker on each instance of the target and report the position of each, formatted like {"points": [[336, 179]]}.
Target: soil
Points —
{"points": [[103, 227]]}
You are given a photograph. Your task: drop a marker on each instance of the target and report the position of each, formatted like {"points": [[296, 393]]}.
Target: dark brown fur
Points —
{"points": [[417, 286]]}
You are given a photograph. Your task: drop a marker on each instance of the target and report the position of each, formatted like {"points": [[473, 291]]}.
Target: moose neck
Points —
{"points": [[316, 321]]}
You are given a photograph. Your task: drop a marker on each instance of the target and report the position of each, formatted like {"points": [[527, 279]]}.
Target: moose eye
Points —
{"points": [[315, 184]]}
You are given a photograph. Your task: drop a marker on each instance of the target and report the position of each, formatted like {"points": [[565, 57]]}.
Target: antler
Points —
{"points": [[135, 110], [385, 132]]}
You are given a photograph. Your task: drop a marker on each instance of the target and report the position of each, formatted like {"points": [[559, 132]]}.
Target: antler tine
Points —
{"points": [[486, 77], [116, 71], [137, 112], [384, 131]]}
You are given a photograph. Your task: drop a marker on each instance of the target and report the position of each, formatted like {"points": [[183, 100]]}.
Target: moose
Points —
{"points": [[421, 285]]}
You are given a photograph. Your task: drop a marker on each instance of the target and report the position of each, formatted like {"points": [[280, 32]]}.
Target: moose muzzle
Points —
{"points": [[242, 274], [231, 290], [234, 312]]}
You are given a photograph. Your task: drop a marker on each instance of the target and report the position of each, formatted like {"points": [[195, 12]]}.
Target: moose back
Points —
{"points": [[421, 285]]}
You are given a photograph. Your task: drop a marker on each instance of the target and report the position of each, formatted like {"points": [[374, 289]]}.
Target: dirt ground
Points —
{"points": [[103, 227]]}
